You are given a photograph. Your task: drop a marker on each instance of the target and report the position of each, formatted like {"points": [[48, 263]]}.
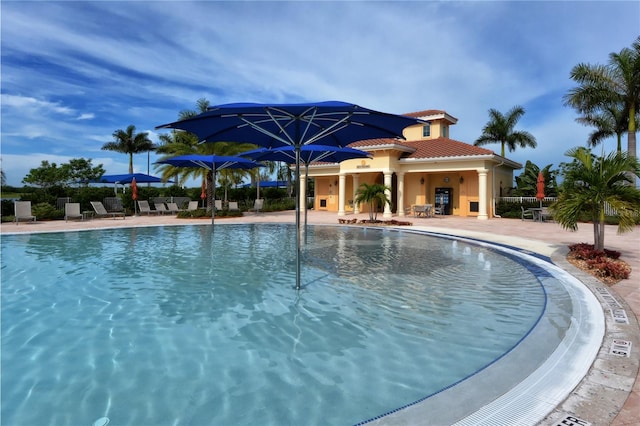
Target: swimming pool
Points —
{"points": [[180, 325]]}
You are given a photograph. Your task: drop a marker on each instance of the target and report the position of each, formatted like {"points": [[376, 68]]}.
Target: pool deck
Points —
{"points": [[608, 395]]}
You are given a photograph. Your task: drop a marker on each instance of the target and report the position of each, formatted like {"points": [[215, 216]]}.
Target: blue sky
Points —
{"points": [[74, 72]]}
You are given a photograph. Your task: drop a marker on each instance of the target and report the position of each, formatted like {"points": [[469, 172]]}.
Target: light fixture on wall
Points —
{"points": [[335, 183], [461, 180], [422, 180], [446, 179]]}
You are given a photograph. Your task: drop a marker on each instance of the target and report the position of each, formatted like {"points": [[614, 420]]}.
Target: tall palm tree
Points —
{"points": [[375, 195], [616, 84], [500, 129], [610, 121], [589, 183], [129, 142]]}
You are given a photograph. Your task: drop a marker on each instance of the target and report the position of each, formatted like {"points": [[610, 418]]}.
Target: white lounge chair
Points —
{"points": [[218, 205], [144, 207], [161, 208], [257, 205], [193, 205], [23, 211], [233, 206], [173, 207], [72, 211], [98, 207]]}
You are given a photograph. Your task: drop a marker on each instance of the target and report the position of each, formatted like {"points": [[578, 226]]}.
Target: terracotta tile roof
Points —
{"points": [[424, 113], [435, 114], [380, 142], [444, 147], [428, 148]]}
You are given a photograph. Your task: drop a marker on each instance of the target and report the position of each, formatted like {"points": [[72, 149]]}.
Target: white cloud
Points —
{"points": [[142, 62]]}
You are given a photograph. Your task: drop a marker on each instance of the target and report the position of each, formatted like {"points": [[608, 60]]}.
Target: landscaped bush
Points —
{"points": [[45, 211], [603, 264]]}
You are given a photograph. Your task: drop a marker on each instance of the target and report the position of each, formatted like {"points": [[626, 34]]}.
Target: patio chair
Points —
{"points": [[526, 214], [233, 206], [101, 212], [218, 205], [23, 211], [193, 205], [545, 214], [72, 211], [144, 207], [173, 208], [161, 208], [257, 205]]}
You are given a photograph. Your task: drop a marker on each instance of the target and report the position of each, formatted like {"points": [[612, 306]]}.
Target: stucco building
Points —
{"points": [[427, 168]]}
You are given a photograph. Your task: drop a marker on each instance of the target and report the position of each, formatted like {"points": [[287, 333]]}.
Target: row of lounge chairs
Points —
{"points": [[161, 208], [72, 210], [144, 207]]}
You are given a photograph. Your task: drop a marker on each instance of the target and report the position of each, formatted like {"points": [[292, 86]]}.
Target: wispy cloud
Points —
{"points": [[73, 72]]}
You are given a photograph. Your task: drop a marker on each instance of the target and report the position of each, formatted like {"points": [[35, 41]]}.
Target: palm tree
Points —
{"points": [[129, 142], [615, 85], [589, 183], [610, 121], [500, 129], [375, 195], [182, 143]]}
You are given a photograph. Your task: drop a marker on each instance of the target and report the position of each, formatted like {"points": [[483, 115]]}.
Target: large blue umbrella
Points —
{"points": [[127, 178], [210, 162], [330, 123], [308, 154]]}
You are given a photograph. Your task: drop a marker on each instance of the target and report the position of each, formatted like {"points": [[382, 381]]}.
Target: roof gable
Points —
{"points": [[427, 148]]}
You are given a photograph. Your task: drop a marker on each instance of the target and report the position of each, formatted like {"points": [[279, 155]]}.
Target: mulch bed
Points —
{"points": [[602, 276]]}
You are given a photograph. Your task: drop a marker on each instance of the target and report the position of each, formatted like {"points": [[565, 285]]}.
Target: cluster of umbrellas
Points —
{"points": [[293, 133]]}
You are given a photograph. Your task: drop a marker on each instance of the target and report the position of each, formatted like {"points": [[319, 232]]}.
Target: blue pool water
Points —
{"points": [[182, 325]]}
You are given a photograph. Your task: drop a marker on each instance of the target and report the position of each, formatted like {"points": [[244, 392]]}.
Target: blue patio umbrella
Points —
{"points": [[127, 178], [210, 162], [308, 154], [331, 123]]}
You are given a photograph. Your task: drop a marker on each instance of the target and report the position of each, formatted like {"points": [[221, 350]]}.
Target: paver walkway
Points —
{"points": [[538, 237]]}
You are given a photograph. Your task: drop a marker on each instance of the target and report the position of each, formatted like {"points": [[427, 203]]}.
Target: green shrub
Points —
{"points": [[45, 211]]}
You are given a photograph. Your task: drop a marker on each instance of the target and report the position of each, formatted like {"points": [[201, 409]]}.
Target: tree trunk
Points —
{"points": [[631, 139], [210, 194], [598, 231]]}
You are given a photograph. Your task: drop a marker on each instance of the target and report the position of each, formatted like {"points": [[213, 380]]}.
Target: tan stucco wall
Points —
{"points": [[414, 133], [436, 173]]}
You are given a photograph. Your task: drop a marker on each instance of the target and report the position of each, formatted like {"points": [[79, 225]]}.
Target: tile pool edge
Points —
{"points": [[604, 389], [538, 394], [602, 393]]}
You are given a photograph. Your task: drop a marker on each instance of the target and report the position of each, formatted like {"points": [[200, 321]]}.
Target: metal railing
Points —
{"points": [[608, 210]]}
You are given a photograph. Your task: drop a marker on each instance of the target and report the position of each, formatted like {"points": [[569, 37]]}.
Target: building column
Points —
{"points": [[341, 194], [400, 193], [387, 182], [482, 194], [356, 206], [303, 193]]}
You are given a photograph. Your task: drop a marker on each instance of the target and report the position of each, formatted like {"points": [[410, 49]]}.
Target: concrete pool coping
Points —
{"points": [[609, 393]]}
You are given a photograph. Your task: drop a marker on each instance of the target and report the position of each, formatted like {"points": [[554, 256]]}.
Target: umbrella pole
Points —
{"points": [[297, 149], [306, 188], [213, 188]]}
